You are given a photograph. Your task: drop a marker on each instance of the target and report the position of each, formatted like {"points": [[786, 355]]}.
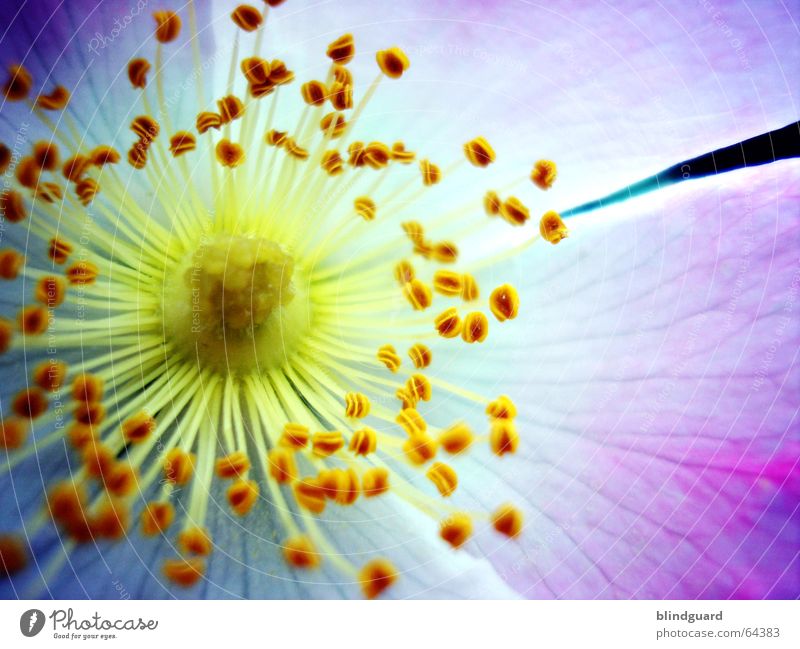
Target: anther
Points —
{"points": [[492, 203], [431, 174], [457, 438], [178, 466], [50, 291], [456, 529], [18, 85], [469, 288], [242, 495], [50, 374], [103, 155], [476, 327], [503, 437], [364, 441], [418, 294], [376, 577], [137, 156], [332, 163], [145, 128], [420, 355], [295, 150], [79, 435], [233, 465], [342, 75], [33, 320], [75, 167], [404, 272], [6, 334], [513, 211], [327, 443], [375, 481], [443, 477], [91, 414], [507, 520], [184, 572], [365, 208], [12, 206], [137, 72], [399, 154], [445, 252], [138, 427], [82, 273], [314, 93], [28, 173], [56, 100], [501, 408], [256, 70], [195, 540], [87, 388], [121, 479], [46, 155], [388, 356], [87, 189], [420, 387], [275, 138], [229, 154], [357, 152], [206, 121], [544, 174], [479, 152], [281, 465], [168, 26], [230, 108], [448, 323], [300, 553], [112, 519], [377, 155], [279, 74], [11, 262], [5, 158], [356, 405], [310, 495], [59, 250], [392, 62], [13, 432], [30, 403], [447, 282], [333, 123], [48, 192], [341, 96], [97, 459], [294, 436], [13, 555], [504, 302], [247, 18], [552, 228], [342, 50], [182, 142], [411, 421], [157, 517], [420, 448]]}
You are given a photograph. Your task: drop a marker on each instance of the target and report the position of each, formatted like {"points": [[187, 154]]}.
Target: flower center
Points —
{"points": [[232, 304]]}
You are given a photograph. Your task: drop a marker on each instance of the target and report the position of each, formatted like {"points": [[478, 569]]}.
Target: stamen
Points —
{"points": [[456, 529], [552, 228], [443, 477], [300, 553], [11, 262], [456, 439], [18, 85], [431, 174], [392, 62], [507, 520], [342, 50], [514, 212], [56, 100], [137, 72], [356, 405], [544, 174], [479, 152], [503, 437], [448, 323], [168, 26], [376, 577], [363, 441], [504, 302], [247, 18]]}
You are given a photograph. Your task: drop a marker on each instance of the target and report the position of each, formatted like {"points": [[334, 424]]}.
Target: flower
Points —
{"points": [[292, 360]]}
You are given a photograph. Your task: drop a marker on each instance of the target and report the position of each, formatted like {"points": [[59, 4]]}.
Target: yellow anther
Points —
{"points": [[339, 485], [356, 405], [75, 167], [208, 120], [356, 152], [295, 150], [46, 155], [28, 172], [276, 138], [279, 74], [479, 152], [50, 291], [503, 437], [342, 75], [411, 421], [229, 154], [375, 481], [182, 142], [300, 552], [513, 211], [137, 72], [138, 427], [295, 436], [230, 108], [18, 85], [145, 128], [87, 388], [457, 438], [82, 273], [59, 250], [552, 228], [342, 50], [104, 155], [184, 572], [314, 93], [418, 294], [79, 435], [281, 464], [310, 495], [508, 520], [456, 529], [388, 356], [33, 320], [242, 495], [13, 555], [233, 465], [448, 323], [501, 408], [444, 252], [476, 327], [414, 231], [420, 387], [544, 174], [157, 517], [11, 262], [327, 443], [492, 203], [49, 192], [333, 123], [137, 156], [247, 18], [50, 374], [407, 399], [377, 155], [431, 174], [404, 272], [420, 355], [420, 448], [255, 69], [90, 413], [13, 432], [392, 62], [57, 99], [341, 96], [179, 466], [258, 90], [364, 441], [332, 163], [12, 206], [30, 403], [121, 480], [6, 334], [87, 189], [168, 26], [65, 503], [376, 577], [447, 282], [443, 477], [365, 208], [399, 154], [195, 540], [504, 302], [112, 519], [469, 288]]}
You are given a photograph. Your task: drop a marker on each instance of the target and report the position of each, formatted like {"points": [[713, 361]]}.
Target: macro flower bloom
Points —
{"points": [[282, 317]]}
